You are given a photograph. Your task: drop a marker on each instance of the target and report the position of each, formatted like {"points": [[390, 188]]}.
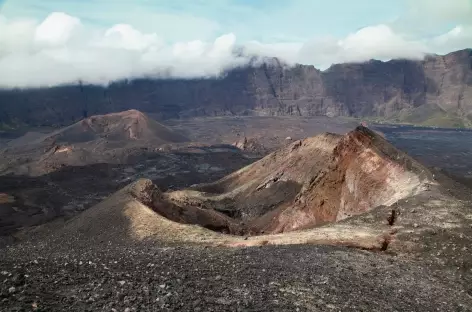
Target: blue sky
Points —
{"points": [[263, 20], [318, 32]]}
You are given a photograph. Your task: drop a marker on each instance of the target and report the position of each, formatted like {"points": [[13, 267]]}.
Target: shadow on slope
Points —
{"points": [[137, 213]]}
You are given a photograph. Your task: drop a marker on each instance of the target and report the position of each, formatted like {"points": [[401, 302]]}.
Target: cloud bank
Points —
{"points": [[63, 49]]}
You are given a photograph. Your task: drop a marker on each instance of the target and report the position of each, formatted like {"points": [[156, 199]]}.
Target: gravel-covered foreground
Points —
{"points": [[146, 277]]}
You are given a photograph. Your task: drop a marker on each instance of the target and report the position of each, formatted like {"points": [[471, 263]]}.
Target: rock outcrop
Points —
{"points": [[251, 145]]}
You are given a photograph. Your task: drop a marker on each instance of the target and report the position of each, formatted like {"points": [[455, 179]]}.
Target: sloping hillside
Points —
{"points": [[314, 181], [111, 138], [121, 127]]}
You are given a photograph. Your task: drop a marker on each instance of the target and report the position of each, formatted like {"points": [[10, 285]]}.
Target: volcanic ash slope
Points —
{"points": [[352, 190]]}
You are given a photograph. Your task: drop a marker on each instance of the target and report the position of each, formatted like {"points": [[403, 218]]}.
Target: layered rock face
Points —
{"points": [[406, 90], [364, 172]]}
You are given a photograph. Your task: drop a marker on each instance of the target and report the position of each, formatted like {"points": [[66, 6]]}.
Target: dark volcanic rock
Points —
{"points": [[437, 85], [271, 278]]}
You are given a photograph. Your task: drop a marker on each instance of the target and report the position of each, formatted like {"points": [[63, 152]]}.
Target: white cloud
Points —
{"points": [[429, 18], [460, 37], [56, 29], [54, 52], [379, 42], [288, 51], [16, 35], [123, 36], [62, 49], [223, 46], [374, 42]]}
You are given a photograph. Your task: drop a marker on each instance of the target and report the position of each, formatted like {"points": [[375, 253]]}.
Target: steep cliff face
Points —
{"points": [[450, 81], [436, 90]]}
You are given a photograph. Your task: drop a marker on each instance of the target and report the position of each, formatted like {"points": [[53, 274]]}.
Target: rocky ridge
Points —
{"points": [[436, 91]]}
